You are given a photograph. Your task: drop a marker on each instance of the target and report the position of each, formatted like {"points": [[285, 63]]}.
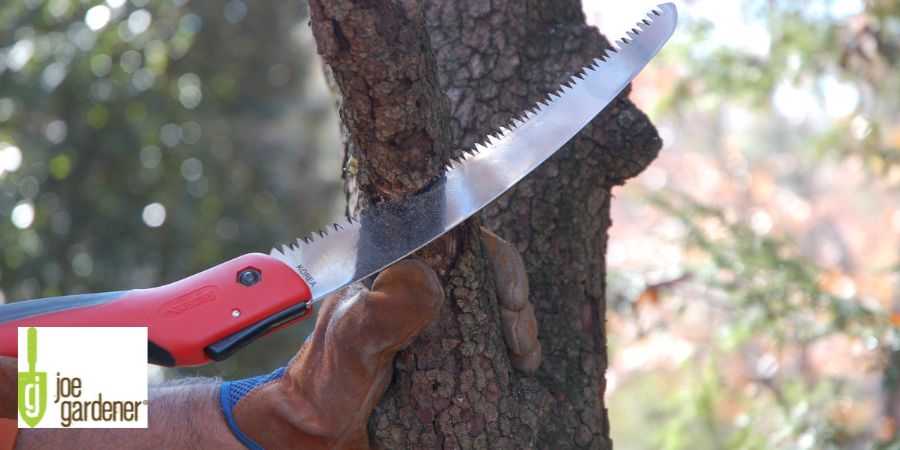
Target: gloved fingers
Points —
{"points": [[520, 334], [358, 332], [527, 363], [329, 389], [333, 303], [519, 330], [517, 315], [357, 327], [509, 271], [403, 300]]}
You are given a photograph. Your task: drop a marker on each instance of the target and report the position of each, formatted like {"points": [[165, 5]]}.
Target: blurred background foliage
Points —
{"points": [[754, 285], [753, 269], [145, 140]]}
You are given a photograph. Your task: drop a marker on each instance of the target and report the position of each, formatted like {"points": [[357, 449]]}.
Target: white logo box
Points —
{"points": [[109, 362]]}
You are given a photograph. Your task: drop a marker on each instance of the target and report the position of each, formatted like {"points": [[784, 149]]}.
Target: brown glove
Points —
{"points": [[518, 321], [324, 397]]}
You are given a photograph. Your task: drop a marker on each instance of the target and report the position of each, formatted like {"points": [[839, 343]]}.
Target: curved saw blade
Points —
{"points": [[385, 233]]}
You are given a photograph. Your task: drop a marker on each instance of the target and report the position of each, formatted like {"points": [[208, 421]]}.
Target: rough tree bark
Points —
{"points": [[423, 79]]}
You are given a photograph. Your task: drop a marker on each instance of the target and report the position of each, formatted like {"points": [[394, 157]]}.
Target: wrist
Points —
{"points": [[232, 392], [189, 408], [183, 414]]}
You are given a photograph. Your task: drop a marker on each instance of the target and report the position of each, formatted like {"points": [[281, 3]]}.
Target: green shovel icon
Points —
{"points": [[32, 386]]}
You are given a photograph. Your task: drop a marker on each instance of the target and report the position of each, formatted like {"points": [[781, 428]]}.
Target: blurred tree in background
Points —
{"points": [[754, 266], [145, 140]]}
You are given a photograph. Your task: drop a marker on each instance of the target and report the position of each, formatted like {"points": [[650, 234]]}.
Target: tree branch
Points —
{"points": [[393, 106]]}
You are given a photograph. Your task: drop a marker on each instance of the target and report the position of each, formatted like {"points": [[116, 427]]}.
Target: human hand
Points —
{"points": [[326, 394], [324, 397], [516, 313]]}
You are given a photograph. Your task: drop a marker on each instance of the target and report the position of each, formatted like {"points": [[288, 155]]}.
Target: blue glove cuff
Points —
{"points": [[232, 392]]}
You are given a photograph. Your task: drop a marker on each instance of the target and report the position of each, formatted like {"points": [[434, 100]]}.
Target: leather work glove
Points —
{"points": [[324, 397], [516, 313]]}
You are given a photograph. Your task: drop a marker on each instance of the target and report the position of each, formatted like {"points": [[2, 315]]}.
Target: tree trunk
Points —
{"points": [[422, 80]]}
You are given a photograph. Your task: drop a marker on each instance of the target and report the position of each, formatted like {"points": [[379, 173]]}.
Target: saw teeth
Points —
{"points": [[565, 88], [350, 228]]}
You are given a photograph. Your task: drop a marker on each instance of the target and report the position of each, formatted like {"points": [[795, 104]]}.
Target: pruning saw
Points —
{"points": [[210, 315]]}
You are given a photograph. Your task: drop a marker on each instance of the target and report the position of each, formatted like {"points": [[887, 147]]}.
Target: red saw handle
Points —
{"points": [[207, 316]]}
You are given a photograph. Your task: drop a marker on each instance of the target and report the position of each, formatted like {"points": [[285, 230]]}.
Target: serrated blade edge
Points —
{"points": [[389, 231]]}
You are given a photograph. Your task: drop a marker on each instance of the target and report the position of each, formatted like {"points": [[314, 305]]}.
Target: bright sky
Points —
{"points": [[733, 28]]}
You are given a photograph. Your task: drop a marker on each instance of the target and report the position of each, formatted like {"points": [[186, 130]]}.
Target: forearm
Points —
{"points": [[182, 415]]}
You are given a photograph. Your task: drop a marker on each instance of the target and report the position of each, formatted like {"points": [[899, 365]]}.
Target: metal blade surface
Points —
{"points": [[390, 231]]}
